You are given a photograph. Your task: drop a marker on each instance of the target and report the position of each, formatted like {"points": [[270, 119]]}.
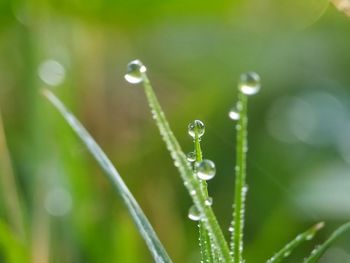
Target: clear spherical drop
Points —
{"points": [[191, 157], [234, 114], [135, 72], [205, 169], [208, 201], [196, 127], [194, 214], [249, 83]]}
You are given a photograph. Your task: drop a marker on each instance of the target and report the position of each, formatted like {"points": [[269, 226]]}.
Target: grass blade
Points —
{"points": [[157, 250], [319, 250], [240, 184], [12, 248], [301, 238], [192, 184], [207, 250], [249, 84], [9, 189]]}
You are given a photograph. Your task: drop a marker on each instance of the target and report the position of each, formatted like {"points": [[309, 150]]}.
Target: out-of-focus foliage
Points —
{"points": [[299, 150], [343, 5]]}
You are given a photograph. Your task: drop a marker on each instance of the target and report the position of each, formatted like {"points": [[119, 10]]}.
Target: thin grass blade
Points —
{"points": [[156, 248], [319, 250], [206, 246], [248, 85], [12, 249], [301, 238], [8, 187]]}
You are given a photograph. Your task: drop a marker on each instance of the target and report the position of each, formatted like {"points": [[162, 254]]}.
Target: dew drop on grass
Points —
{"points": [[135, 72], [249, 83], [196, 127], [208, 201], [194, 214], [191, 156], [51, 72], [205, 169], [287, 253], [310, 236], [234, 114]]}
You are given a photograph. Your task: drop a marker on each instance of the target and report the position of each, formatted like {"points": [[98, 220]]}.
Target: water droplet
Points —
{"points": [[191, 157], [194, 214], [51, 72], [287, 253], [310, 236], [249, 83], [196, 127], [193, 192], [205, 169], [58, 202], [208, 201], [245, 189], [230, 229], [239, 106], [135, 72], [233, 114]]}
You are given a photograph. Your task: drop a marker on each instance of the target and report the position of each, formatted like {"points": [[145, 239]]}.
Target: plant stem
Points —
{"points": [[240, 184], [192, 184]]}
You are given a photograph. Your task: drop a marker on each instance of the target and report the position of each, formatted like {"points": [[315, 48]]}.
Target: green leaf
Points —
{"points": [[319, 250], [157, 250], [301, 238]]}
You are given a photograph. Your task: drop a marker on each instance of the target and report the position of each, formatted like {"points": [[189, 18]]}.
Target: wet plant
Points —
{"points": [[195, 173]]}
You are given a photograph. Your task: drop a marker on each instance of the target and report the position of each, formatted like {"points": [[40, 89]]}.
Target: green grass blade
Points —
{"points": [[319, 250], [240, 182], [157, 250], [12, 249], [301, 238], [206, 247], [192, 184], [8, 187], [248, 85]]}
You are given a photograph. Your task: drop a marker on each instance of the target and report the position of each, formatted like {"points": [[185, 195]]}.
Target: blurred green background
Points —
{"points": [[65, 210]]}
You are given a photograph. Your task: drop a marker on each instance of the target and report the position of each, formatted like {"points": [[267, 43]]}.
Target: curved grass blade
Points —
{"points": [[319, 250], [157, 250], [192, 184], [301, 238]]}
